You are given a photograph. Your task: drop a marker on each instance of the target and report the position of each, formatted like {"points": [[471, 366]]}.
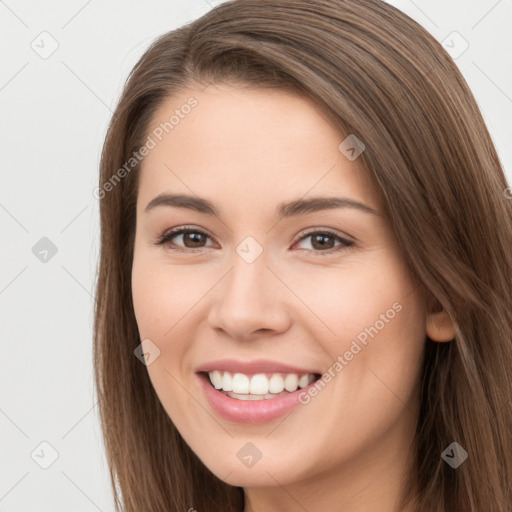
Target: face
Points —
{"points": [[260, 296]]}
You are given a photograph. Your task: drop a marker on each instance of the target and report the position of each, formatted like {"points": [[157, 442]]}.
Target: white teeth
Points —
{"points": [[258, 386], [227, 382], [253, 397], [291, 382], [216, 379], [304, 381], [240, 384], [276, 383]]}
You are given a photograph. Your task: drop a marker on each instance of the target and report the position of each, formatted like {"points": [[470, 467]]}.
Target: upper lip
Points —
{"points": [[252, 367]]}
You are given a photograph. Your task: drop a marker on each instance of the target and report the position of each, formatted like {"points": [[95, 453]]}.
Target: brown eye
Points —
{"points": [[193, 239], [188, 238], [325, 242], [183, 239], [322, 241]]}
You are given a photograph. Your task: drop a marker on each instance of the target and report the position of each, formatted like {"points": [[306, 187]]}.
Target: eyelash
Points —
{"points": [[167, 236]]}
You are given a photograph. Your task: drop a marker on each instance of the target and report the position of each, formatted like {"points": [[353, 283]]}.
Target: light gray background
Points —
{"points": [[55, 112]]}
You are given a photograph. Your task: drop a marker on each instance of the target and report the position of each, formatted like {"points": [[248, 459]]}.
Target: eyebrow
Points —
{"points": [[283, 210]]}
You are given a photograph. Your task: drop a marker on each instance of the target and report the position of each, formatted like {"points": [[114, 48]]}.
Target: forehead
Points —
{"points": [[244, 145]]}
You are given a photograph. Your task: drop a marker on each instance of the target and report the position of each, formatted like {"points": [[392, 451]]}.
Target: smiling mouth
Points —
{"points": [[259, 386]]}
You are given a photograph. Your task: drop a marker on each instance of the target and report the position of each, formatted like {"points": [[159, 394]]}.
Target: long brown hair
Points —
{"points": [[428, 153]]}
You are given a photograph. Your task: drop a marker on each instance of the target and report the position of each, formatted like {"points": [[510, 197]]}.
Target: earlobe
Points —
{"points": [[440, 326]]}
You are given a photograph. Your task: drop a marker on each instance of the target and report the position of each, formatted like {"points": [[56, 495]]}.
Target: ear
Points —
{"points": [[439, 325]]}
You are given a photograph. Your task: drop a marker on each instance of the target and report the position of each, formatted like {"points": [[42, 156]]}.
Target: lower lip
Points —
{"points": [[249, 411]]}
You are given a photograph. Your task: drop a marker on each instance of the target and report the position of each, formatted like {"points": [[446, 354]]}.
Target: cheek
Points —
{"points": [[373, 318], [346, 301], [167, 305], [163, 294], [163, 300], [376, 326], [380, 335]]}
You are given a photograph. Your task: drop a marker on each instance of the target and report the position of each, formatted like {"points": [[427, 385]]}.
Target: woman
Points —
{"points": [[303, 299]]}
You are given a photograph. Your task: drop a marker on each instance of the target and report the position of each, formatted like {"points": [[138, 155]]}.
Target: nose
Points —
{"points": [[249, 301]]}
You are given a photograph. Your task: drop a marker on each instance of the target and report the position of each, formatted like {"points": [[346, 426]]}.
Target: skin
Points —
{"points": [[247, 150]]}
